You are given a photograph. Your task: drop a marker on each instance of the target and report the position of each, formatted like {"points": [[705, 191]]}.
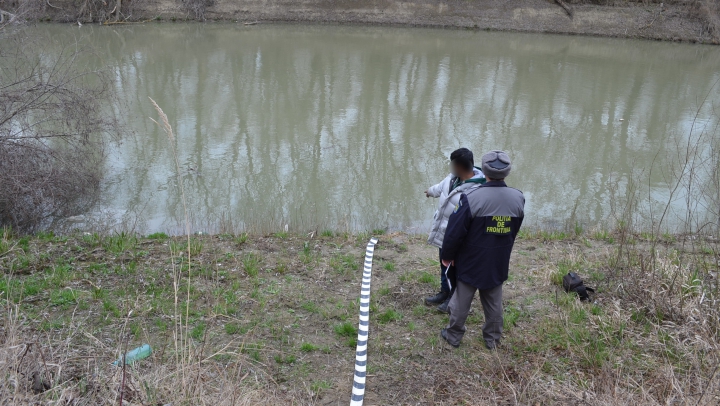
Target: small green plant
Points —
{"points": [[319, 386], [546, 236], [31, 287], [345, 329], [62, 297], [48, 325], [119, 242], [251, 263], [510, 317], [603, 235], [281, 268], [378, 231], [427, 277], [135, 329], [384, 290], [578, 229], [196, 246], [111, 308], [419, 310], [308, 347], [388, 316], [311, 307], [327, 234], [198, 331], [158, 236], [407, 277], [45, 236], [389, 266], [241, 238], [288, 359], [232, 328], [557, 275], [281, 235], [23, 244], [255, 355], [99, 293], [161, 324], [342, 264]]}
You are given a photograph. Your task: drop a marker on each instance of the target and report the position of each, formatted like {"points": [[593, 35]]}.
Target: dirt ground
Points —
{"points": [[674, 21], [281, 312]]}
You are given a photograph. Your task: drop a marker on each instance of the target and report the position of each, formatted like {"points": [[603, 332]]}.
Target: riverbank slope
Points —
{"points": [[693, 21]]}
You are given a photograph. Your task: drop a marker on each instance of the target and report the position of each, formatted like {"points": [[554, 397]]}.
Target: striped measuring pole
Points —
{"points": [[358, 391]]}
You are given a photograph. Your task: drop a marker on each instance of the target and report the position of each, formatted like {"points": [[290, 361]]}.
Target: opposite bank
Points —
{"points": [[691, 21]]}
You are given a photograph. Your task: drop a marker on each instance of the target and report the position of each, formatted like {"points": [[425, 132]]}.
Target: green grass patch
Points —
{"points": [[198, 332], [287, 359], [311, 307], [427, 277], [158, 236], [510, 317], [308, 347], [319, 386], [344, 263], [119, 242], [232, 328], [241, 238], [420, 310], [346, 329], [63, 297], [388, 316], [251, 264]]}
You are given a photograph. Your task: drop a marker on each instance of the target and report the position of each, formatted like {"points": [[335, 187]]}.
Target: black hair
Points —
{"points": [[463, 158]]}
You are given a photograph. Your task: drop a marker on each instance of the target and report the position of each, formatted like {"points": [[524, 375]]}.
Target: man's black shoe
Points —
{"points": [[443, 334], [492, 346], [437, 299], [443, 308]]}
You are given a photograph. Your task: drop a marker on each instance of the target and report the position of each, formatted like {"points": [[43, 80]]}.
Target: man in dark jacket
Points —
{"points": [[478, 242]]}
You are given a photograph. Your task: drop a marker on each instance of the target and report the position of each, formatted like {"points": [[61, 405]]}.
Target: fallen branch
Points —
{"points": [[4, 13], [48, 3], [128, 22], [565, 7]]}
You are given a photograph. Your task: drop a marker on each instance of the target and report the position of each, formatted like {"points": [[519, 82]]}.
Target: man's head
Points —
{"points": [[462, 162], [496, 165]]}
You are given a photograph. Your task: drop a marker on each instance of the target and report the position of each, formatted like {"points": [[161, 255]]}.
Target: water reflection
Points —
{"points": [[345, 127]]}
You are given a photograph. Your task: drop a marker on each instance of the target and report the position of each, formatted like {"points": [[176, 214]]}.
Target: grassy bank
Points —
{"points": [[272, 320]]}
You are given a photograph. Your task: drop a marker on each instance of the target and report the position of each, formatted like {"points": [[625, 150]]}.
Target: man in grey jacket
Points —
{"points": [[463, 178]]}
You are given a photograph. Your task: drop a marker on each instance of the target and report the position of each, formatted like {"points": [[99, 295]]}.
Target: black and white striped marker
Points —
{"points": [[358, 391]]}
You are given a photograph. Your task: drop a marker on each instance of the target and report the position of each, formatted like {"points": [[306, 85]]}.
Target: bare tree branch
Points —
{"points": [[55, 121]]}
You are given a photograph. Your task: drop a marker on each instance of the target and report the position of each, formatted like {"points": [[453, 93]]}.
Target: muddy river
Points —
{"points": [[328, 127]]}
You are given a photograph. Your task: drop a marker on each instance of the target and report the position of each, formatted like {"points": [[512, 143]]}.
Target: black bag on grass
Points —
{"points": [[573, 283]]}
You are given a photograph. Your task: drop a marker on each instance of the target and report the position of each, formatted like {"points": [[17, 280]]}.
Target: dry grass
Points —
{"points": [[649, 338], [34, 371]]}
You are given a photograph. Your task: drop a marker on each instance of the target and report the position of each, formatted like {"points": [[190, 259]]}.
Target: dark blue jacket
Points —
{"points": [[481, 233]]}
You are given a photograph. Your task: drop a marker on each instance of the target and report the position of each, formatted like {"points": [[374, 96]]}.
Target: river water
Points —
{"points": [[328, 127]]}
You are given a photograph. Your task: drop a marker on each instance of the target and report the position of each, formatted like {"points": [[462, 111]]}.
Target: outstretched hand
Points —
{"points": [[427, 194]]}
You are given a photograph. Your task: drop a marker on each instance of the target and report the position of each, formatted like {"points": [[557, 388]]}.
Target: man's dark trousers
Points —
{"points": [[459, 306]]}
